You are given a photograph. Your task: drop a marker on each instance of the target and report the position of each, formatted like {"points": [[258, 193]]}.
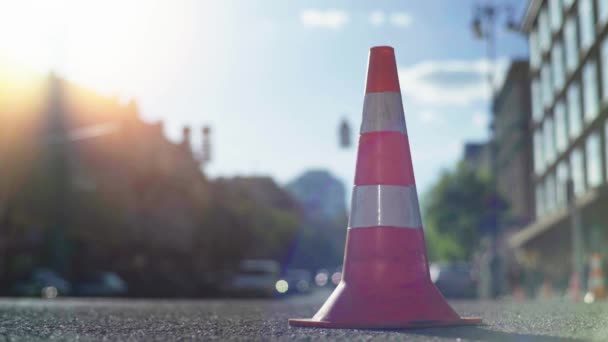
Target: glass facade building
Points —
{"points": [[568, 128], [569, 90]]}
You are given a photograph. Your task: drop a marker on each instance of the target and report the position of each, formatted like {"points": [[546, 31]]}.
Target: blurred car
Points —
{"points": [[255, 277], [336, 277], [298, 281], [42, 282], [101, 284], [454, 280], [322, 278], [331, 277]]}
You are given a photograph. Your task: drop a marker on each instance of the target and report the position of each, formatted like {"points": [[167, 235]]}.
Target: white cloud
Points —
{"points": [[480, 119], [328, 19], [447, 151], [377, 18], [454, 82], [400, 19], [430, 117]]}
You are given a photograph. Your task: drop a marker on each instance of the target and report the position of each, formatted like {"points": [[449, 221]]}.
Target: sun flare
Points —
{"points": [[105, 44]]}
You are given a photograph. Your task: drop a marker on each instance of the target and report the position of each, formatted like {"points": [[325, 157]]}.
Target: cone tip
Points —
{"points": [[383, 48], [382, 70]]}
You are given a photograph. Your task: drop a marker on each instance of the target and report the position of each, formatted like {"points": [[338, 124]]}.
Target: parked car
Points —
{"points": [[454, 280], [42, 282], [101, 284], [255, 277]]}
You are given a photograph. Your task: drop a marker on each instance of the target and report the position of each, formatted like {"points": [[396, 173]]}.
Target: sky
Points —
{"points": [[273, 78]]}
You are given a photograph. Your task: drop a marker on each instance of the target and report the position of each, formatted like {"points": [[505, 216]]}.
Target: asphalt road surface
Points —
{"points": [[185, 320]]}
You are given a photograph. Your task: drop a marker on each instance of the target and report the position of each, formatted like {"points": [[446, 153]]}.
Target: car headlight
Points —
{"points": [[281, 286]]}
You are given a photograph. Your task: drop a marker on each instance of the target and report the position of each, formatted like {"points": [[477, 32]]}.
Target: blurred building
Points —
{"points": [[82, 167], [112, 153], [322, 200], [512, 138], [569, 87], [321, 195], [86, 185]]}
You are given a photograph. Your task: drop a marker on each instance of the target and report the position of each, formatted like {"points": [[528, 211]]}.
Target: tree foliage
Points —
{"points": [[461, 207]]}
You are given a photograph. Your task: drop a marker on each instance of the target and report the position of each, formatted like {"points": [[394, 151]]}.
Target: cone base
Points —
{"points": [[312, 323], [385, 285]]}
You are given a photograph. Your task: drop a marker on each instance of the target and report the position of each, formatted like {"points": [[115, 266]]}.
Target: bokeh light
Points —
{"points": [[282, 286]]}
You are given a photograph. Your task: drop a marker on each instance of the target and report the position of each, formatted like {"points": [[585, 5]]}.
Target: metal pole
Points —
{"points": [[60, 168], [577, 233], [490, 35]]}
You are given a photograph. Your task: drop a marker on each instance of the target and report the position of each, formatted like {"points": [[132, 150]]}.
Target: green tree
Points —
{"points": [[461, 207]]}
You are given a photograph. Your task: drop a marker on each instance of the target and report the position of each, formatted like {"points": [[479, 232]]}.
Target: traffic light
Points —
{"points": [[344, 134]]}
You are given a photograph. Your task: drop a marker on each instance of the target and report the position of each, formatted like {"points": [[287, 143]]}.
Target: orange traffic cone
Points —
{"points": [[596, 289], [574, 287], [385, 279]]}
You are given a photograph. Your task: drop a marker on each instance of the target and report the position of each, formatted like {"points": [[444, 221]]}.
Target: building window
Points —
{"points": [[538, 151], [537, 105], [557, 62], [574, 110], [561, 127], [549, 141], [586, 23], [540, 200], [562, 183], [602, 11], [590, 92], [594, 160], [544, 34], [578, 171], [535, 57], [545, 80], [555, 10], [604, 61], [571, 44]]}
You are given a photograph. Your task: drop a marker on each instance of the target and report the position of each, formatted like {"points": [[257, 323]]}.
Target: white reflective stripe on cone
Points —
{"points": [[383, 112], [385, 205]]}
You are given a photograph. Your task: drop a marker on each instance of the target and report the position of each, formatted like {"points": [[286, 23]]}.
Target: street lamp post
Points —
{"points": [[483, 26]]}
